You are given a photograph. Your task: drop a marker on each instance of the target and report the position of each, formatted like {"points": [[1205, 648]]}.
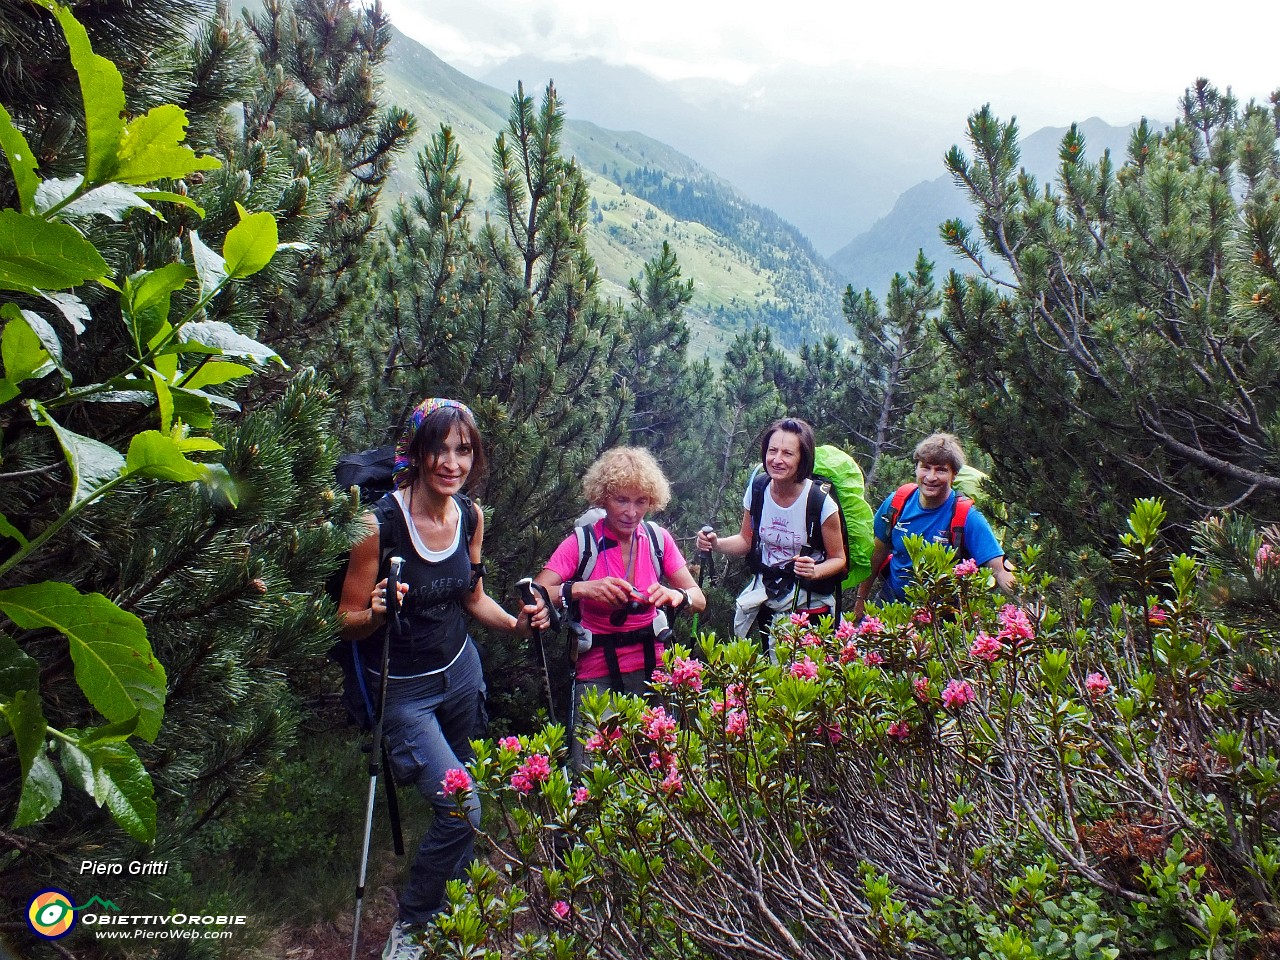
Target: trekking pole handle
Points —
{"points": [[393, 586], [527, 587], [705, 561]]}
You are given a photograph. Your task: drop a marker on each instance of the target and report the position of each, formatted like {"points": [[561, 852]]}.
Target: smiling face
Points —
{"points": [[624, 511], [446, 469], [782, 456], [935, 481]]}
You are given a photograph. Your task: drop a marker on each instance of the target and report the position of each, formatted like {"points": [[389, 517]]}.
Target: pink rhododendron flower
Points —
{"points": [[510, 743], [687, 673], [811, 640], [849, 652], [1156, 615], [805, 669], [921, 687], [986, 647], [845, 630], [833, 733], [672, 782], [535, 770], [735, 723], [1015, 623], [922, 617], [1239, 684], [1097, 684], [602, 738], [657, 726], [870, 627], [799, 619], [966, 568], [581, 796], [456, 780], [561, 910], [899, 730], [660, 678], [1265, 557], [957, 694], [873, 659]]}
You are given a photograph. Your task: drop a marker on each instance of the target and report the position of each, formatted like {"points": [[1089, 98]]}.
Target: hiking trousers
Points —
{"points": [[429, 724]]}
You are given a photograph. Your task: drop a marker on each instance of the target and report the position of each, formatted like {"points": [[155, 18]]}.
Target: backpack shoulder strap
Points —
{"points": [[759, 481], [657, 544], [819, 489], [959, 516], [899, 501], [390, 529], [467, 508], [588, 550]]}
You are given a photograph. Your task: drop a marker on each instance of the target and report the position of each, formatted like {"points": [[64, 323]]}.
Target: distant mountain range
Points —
{"points": [[748, 264], [869, 261]]}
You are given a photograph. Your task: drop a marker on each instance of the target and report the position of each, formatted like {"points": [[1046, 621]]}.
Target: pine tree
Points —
{"points": [[1132, 354]]}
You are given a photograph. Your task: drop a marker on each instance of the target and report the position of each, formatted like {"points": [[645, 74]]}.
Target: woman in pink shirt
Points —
{"points": [[609, 575]]}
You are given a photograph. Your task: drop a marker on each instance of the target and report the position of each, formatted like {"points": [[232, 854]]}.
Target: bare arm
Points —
{"points": [[1005, 579], [739, 545], [363, 607], [485, 609]]}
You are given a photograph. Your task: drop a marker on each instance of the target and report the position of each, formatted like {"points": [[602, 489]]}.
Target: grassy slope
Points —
{"points": [[731, 284]]}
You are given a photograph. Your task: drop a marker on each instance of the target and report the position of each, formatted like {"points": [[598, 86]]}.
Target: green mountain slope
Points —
{"points": [[747, 263]]}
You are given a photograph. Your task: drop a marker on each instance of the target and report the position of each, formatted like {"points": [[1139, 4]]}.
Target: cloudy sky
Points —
{"points": [[1110, 58]]}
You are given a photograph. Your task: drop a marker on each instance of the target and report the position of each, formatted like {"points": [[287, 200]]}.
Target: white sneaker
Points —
{"points": [[402, 943]]}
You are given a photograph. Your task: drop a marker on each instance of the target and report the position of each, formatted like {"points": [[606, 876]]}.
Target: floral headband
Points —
{"points": [[420, 413]]}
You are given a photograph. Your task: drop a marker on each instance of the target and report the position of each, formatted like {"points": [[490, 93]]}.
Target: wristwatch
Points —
{"points": [[566, 593], [684, 602]]}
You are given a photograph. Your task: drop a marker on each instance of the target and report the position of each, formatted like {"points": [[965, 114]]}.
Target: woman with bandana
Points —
{"points": [[435, 690]]}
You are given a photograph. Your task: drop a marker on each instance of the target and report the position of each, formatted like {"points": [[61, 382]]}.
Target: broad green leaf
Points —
{"points": [[210, 267], [18, 671], [38, 255], [92, 462], [250, 244], [40, 327], [102, 89], [164, 399], [23, 354], [41, 792], [145, 303], [114, 665], [27, 724], [228, 341], [215, 372], [111, 731], [111, 773], [192, 407], [151, 148], [155, 454], [111, 200], [7, 391], [22, 160], [7, 529], [156, 196]]}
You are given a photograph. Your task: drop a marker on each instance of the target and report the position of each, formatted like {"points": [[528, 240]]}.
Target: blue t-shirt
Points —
{"points": [[934, 526]]}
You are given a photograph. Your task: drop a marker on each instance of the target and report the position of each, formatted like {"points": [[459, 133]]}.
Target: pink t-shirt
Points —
{"points": [[595, 616]]}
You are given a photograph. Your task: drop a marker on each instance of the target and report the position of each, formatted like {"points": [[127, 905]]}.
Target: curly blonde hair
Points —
{"points": [[626, 468]]}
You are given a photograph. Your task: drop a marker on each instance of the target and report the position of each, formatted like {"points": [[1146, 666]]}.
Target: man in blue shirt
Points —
{"points": [[928, 509]]}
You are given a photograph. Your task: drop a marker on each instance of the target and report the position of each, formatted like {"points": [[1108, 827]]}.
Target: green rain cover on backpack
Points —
{"points": [[859, 519]]}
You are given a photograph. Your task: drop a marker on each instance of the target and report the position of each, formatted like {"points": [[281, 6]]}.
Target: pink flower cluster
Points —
{"points": [[849, 653], [535, 770], [805, 669], [966, 568], [1097, 684], [811, 640], [899, 730], [957, 694], [659, 727], [581, 796], [922, 690], [870, 627], [735, 723], [456, 781], [986, 647], [687, 673], [672, 783], [510, 743], [561, 910], [1266, 556], [872, 659], [1156, 615], [602, 738], [800, 619], [1015, 625], [846, 630], [832, 732]]}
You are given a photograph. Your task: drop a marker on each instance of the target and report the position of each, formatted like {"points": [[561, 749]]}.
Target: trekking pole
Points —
{"points": [[526, 586], [393, 626], [706, 568]]}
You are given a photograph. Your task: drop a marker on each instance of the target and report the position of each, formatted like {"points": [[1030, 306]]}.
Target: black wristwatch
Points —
{"points": [[566, 593], [685, 602]]}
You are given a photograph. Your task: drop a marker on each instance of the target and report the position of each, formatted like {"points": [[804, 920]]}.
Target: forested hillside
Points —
{"points": [[209, 291]]}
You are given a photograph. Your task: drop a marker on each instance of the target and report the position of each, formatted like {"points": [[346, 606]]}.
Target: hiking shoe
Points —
{"points": [[402, 943]]}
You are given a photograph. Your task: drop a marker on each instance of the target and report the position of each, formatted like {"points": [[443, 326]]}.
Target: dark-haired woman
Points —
{"points": [[435, 686], [793, 560]]}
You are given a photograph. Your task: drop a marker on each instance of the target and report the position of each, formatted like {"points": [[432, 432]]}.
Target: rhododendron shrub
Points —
{"points": [[967, 776]]}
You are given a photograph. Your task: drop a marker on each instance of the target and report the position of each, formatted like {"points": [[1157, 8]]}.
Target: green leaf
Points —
{"points": [[92, 462], [18, 671], [102, 89], [210, 267], [22, 161], [114, 665], [250, 244], [227, 341], [111, 773], [151, 148], [40, 327], [27, 724], [41, 792], [157, 196], [111, 731], [145, 302], [38, 255], [111, 200], [215, 372], [7, 529], [164, 398], [24, 355], [194, 408], [155, 454]]}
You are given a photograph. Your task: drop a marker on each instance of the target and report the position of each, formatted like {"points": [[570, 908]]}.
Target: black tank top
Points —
{"points": [[432, 627]]}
